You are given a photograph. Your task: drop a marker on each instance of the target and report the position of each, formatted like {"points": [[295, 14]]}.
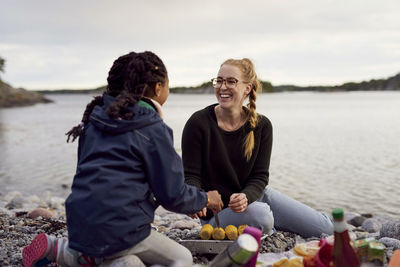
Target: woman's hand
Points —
{"points": [[214, 201], [238, 202]]}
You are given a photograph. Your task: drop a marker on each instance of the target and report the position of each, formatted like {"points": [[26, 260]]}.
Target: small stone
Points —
{"points": [[350, 227], [40, 212], [367, 215], [183, 225], [361, 234], [357, 221], [348, 216], [162, 229], [279, 244], [64, 186], [371, 225], [390, 242], [15, 203], [391, 229], [21, 243], [56, 203]]}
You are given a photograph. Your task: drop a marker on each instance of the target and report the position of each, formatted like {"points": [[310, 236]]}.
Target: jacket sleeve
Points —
{"points": [[191, 152], [164, 171], [259, 175]]}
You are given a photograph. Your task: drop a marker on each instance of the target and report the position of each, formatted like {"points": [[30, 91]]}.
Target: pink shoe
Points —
{"points": [[37, 251]]}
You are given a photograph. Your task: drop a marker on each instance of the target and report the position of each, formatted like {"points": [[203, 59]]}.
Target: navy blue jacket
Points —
{"points": [[126, 168]]}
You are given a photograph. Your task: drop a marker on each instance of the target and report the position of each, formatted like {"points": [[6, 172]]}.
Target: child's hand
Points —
{"points": [[238, 202], [214, 201], [201, 213]]}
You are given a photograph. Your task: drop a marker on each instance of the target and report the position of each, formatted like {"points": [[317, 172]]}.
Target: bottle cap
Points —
{"points": [[338, 214]]}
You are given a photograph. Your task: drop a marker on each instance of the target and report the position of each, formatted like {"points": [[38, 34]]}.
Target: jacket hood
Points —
{"points": [[142, 117]]}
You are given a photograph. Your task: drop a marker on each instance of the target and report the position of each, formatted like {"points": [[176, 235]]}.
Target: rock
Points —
{"points": [[348, 216], [367, 215], [64, 186], [56, 203], [361, 234], [12, 97], [371, 225], [390, 242], [357, 221], [351, 228], [391, 229], [184, 225], [15, 203], [33, 199], [12, 195], [44, 213], [157, 218]]}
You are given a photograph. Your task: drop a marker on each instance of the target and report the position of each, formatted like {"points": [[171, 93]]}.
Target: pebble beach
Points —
{"points": [[23, 217]]}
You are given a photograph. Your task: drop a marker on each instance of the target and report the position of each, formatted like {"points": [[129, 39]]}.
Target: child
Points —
{"points": [[127, 166]]}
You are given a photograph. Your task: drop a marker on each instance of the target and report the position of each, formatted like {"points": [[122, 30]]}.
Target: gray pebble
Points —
{"points": [[15, 203], [372, 225], [390, 242], [357, 221], [391, 229]]}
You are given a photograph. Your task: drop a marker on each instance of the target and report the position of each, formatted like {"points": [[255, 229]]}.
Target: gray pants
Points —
{"points": [[155, 249], [274, 210]]}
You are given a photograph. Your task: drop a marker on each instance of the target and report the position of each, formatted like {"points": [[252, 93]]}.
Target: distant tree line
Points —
{"points": [[2, 63], [392, 83]]}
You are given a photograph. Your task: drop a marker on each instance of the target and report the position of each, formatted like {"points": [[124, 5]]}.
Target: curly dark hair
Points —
{"points": [[129, 79]]}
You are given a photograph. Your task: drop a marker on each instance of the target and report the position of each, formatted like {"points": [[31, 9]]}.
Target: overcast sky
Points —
{"points": [[50, 44]]}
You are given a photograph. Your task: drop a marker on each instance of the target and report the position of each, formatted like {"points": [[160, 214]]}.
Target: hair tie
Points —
{"points": [[156, 67]]}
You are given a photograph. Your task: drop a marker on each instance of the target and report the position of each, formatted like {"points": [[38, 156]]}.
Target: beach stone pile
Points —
{"points": [[22, 218]]}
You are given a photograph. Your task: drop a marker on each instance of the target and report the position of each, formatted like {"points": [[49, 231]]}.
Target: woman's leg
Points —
{"points": [[257, 214], [294, 216], [158, 249]]}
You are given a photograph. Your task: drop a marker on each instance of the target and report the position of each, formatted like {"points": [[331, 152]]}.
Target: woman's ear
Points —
{"points": [[248, 88]]}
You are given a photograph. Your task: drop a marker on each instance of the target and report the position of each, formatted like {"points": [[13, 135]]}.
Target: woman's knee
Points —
{"points": [[259, 215]]}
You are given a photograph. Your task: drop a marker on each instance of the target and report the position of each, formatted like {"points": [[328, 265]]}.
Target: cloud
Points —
{"points": [[59, 44]]}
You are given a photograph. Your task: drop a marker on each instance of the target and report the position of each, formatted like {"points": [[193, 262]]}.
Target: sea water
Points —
{"points": [[339, 149]]}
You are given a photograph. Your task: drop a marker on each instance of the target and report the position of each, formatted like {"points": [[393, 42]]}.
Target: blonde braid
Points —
{"points": [[250, 76], [248, 144]]}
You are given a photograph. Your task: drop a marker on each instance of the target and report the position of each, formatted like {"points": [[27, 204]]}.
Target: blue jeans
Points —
{"points": [[274, 210]]}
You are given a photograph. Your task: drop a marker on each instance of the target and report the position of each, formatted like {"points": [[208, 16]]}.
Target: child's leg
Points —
{"points": [[45, 249], [41, 251], [158, 249], [257, 214], [124, 261], [70, 257]]}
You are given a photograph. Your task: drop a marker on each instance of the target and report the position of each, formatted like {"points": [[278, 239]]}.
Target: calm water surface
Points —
{"points": [[330, 149]]}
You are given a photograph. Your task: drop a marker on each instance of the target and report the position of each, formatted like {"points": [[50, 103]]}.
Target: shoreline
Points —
{"points": [[22, 218]]}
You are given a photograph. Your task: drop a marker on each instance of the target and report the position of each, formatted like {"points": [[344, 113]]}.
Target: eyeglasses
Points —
{"points": [[230, 83]]}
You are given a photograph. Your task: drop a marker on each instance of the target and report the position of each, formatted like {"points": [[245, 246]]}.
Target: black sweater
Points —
{"points": [[213, 159]]}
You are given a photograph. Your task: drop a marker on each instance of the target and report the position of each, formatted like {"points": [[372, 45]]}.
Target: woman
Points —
{"points": [[227, 147]]}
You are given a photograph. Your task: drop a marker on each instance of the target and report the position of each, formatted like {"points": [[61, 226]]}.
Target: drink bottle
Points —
{"points": [[343, 253]]}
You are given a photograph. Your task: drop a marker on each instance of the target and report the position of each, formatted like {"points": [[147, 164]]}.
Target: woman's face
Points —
{"points": [[232, 98]]}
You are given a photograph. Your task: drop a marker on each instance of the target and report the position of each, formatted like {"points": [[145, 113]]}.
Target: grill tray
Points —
{"points": [[206, 246]]}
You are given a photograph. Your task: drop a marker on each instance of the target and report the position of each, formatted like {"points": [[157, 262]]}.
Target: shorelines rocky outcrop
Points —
{"points": [[22, 218], [16, 97]]}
